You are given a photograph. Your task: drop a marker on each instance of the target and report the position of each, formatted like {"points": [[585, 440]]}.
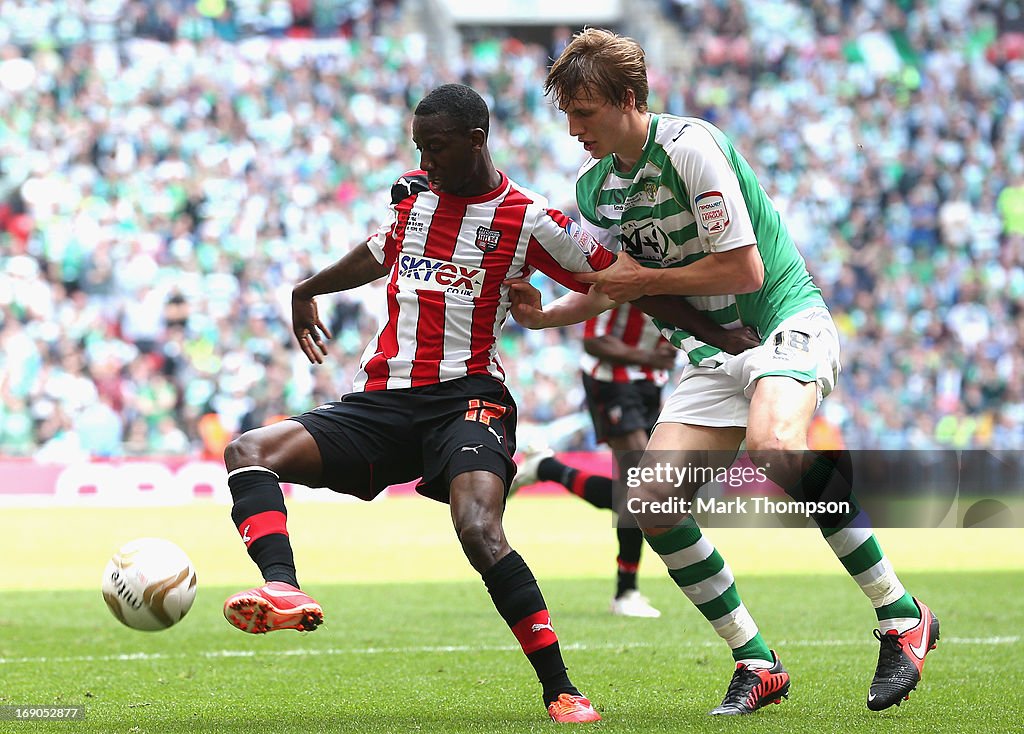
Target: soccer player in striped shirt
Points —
{"points": [[686, 207], [429, 400]]}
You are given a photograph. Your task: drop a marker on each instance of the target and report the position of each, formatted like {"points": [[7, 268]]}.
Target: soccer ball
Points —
{"points": [[149, 584]]}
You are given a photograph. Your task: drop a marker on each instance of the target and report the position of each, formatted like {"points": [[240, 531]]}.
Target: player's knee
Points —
{"points": [[767, 438], [245, 450], [654, 506], [775, 445], [648, 497], [480, 536], [647, 492]]}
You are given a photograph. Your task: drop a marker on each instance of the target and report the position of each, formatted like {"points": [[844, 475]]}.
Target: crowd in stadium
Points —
{"points": [[171, 169]]}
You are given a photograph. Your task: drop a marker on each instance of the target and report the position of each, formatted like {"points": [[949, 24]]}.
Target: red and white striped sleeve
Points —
{"points": [[559, 247]]}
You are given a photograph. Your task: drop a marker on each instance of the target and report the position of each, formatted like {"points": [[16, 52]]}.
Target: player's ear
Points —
{"points": [[628, 100], [478, 138]]}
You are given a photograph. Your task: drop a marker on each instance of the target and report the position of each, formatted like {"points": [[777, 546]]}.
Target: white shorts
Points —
{"points": [[804, 346]]}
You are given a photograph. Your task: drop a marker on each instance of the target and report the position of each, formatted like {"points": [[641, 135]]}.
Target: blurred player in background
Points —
{"points": [[626, 364], [687, 208]]}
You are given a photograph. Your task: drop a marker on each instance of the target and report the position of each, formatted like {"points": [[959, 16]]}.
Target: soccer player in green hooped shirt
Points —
{"points": [[676, 197]]}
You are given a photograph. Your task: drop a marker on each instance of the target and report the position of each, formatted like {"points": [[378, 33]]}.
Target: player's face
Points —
{"points": [[449, 153], [597, 123]]}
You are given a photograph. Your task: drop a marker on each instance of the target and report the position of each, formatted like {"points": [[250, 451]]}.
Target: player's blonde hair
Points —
{"points": [[601, 63]]}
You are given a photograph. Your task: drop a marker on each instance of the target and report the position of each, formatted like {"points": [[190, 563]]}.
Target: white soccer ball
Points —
{"points": [[149, 584]]}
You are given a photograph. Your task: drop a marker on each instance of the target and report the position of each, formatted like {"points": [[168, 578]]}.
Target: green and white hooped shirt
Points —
{"points": [[691, 194]]}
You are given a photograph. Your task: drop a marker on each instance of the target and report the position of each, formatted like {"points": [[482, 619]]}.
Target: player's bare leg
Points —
{"points": [[697, 567], [780, 414], [477, 505]]}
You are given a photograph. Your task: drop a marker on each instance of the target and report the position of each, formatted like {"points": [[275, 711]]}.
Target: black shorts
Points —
{"points": [[371, 440], [620, 408]]}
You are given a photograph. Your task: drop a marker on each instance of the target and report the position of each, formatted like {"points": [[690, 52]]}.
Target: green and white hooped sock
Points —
{"points": [[706, 579], [858, 550], [853, 541]]}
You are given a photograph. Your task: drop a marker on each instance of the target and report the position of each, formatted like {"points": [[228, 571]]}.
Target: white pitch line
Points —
{"points": [[331, 651]]}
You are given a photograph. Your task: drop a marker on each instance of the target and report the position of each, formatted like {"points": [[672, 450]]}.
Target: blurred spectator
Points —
{"points": [[170, 168], [1011, 205]]}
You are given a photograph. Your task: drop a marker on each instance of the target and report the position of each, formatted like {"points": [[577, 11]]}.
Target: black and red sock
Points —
{"points": [[262, 521], [631, 543], [594, 488], [518, 600]]}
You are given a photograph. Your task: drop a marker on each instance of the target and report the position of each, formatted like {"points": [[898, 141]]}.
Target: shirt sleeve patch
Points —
{"points": [[584, 240], [711, 211]]}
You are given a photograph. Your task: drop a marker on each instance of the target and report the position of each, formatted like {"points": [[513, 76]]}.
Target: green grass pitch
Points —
{"points": [[412, 643]]}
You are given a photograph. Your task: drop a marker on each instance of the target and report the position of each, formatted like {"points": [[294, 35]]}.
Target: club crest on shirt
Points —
{"points": [[584, 240], [487, 239], [711, 211]]}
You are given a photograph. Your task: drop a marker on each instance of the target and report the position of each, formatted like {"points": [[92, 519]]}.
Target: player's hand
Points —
{"points": [[663, 356], [308, 327], [527, 307], [623, 281], [738, 340]]}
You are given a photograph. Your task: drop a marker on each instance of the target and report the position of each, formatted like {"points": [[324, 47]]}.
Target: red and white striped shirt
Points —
{"points": [[635, 329], [449, 255]]}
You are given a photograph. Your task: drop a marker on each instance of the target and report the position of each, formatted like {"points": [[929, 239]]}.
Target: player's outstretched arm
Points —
{"points": [[354, 269], [731, 272], [572, 308], [676, 310]]}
